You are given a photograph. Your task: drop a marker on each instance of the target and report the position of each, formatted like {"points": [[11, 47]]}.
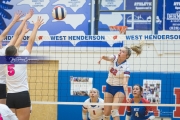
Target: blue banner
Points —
{"points": [[111, 18], [76, 21], [172, 15], [23, 59], [142, 20]]}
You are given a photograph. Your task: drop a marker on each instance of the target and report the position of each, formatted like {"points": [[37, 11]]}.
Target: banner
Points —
{"points": [[172, 15], [107, 19], [142, 20], [152, 90], [80, 86], [76, 21], [89, 40]]}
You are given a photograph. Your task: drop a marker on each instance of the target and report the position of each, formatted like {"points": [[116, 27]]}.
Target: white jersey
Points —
{"points": [[2, 66], [6, 113], [16, 77], [95, 111], [117, 72]]}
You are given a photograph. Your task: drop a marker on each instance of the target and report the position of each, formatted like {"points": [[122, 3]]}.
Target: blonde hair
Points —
{"points": [[96, 91], [136, 48]]}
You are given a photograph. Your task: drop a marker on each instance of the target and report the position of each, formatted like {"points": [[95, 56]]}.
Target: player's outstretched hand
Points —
{"points": [[17, 16], [29, 14], [25, 29], [99, 62], [39, 22]]}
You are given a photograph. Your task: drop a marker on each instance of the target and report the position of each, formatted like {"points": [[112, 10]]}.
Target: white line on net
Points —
{"points": [[112, 104]]}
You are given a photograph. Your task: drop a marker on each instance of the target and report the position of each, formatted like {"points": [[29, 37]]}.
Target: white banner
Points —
{"points": [[80, 86]]}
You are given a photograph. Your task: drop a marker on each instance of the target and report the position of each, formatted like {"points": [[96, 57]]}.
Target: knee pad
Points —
{"points": [[114, 113], [106, 117]]}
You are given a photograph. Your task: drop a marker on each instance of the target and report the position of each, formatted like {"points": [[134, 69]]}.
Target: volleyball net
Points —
{"points": [[61, 84]]}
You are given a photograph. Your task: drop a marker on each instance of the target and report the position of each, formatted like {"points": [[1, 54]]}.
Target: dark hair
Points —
{"points": [[141, 89], [11, 51], [135, 48]]}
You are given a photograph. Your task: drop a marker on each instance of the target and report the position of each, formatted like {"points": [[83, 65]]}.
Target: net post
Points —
{"points": [[154, 14], [96, 16], [92, 17]]}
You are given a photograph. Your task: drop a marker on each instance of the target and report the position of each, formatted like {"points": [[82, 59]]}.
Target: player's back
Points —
{"points": [[16, 76]]}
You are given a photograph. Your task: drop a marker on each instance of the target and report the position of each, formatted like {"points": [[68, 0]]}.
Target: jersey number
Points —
{"points": [[113, 71], [94, 113], [136, 114], [11, 70]]}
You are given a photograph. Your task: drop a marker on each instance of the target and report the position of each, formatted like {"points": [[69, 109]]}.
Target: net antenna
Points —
{"points": [[122, 29]]}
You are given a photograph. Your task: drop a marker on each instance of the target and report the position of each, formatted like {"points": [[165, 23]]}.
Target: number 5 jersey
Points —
{"points": [[16, 76]]}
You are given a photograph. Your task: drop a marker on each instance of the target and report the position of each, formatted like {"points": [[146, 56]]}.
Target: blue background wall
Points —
{"points": [[168, 82]]}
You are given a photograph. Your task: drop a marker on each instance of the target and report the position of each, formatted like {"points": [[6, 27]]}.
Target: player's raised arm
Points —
{"points": [[107, 58], [32, 37], [16, 18], [19, 40], [19, 29]]}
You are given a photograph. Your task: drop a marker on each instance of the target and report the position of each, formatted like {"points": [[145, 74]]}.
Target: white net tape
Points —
{"points": [[108, 104]]}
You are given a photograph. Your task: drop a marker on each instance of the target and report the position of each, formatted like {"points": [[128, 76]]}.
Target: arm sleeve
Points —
{"points": [[127, 71]]}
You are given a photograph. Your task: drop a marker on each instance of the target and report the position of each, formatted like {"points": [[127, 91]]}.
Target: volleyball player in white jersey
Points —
{"points": [[18, 98], [95, 112], [117, 81], [2, 49], [6, 113]]}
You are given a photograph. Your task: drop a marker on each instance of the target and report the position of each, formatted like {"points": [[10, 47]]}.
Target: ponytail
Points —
{"points": [[135, 48], [138, 48]]}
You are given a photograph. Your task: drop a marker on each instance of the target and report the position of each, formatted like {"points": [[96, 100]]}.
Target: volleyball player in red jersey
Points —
{"points": [[139, 112]]}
